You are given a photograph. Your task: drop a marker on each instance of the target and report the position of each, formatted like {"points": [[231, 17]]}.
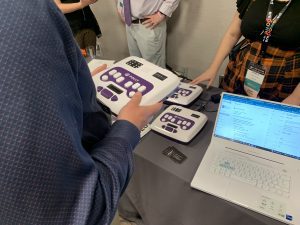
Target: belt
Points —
{"points": [[136, 21]]}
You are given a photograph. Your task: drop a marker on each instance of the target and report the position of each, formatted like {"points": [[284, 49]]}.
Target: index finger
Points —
{"points": [[152, 109], [99, 69]]}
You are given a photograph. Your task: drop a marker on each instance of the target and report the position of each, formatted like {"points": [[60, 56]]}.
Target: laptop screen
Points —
{"points": [[266, 125]]}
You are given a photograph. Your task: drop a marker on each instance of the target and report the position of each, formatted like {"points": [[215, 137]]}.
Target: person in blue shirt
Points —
{"points": [[61, 162]]}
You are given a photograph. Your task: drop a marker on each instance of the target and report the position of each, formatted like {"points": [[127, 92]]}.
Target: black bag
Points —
{"points": [[236, 49]]}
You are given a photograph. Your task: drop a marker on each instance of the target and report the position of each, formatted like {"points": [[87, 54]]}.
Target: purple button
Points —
{"points": [[107, 93], [170, 129], [99, 88], [114, 98], [174, 131]]}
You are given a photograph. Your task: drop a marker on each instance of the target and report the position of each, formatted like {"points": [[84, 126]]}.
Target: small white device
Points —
{"points": [[116, 85], [185, 94], [179, 123], [146, 129]]}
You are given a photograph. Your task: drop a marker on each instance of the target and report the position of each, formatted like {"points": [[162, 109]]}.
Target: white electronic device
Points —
{"points": [[185, 94], [179, 123], [253, 158], [115, 86], [146, 129], [94, 63]]}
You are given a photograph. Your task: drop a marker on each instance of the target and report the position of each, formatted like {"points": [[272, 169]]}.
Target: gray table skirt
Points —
{"points": [[159, 192]]}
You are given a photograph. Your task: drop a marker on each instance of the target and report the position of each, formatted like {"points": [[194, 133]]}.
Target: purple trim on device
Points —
{"points": [[182, 92], [128, 76], [171, 118]]}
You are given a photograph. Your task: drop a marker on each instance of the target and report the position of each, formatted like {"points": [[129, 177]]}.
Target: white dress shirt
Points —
{"points": [[143, 8]]}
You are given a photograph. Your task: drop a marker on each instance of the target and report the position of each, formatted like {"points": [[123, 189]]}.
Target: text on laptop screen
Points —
{"points": [[265, 125]]}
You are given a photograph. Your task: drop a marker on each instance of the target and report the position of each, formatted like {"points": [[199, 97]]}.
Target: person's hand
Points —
{"points": [[294, 98], [208, 75], [121, 16], [153, 20], [136, 114], [99, 69], [85, 3]]}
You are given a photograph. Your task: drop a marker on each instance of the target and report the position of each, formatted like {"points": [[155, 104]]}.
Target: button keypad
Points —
{"points": [[123, 79], [176, 121], [181, 91]]}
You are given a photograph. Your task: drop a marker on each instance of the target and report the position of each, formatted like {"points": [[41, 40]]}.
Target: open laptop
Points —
{"points": [[253, 159]]}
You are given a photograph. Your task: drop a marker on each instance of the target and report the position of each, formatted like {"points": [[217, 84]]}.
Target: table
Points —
{"points": [[159, 192]]}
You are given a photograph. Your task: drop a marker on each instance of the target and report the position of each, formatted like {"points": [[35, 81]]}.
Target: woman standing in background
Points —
{"points": [[82, 21], [269, 66]]}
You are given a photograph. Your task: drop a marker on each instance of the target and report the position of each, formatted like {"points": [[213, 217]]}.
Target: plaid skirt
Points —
{"points": [[282, 71]]}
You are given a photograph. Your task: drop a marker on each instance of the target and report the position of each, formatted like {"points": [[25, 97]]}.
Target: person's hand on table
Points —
{"points": [[294, 98], [136, 114], [208, 75]]}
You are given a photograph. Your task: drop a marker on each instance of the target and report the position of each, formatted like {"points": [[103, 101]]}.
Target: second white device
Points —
{"points": [[185, 94], [116, 85], [179, 123]]}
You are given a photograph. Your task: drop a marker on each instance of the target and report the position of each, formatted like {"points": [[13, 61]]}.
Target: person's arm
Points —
{"points": [[168, 7], [110, 148], [231, 37], [71, 7], [294, 98]]}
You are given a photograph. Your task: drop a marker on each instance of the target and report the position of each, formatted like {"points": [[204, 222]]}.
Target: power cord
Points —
{"points": [[203, 105], [180, 75]]}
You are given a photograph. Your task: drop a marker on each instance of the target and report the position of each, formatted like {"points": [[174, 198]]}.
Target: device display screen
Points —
{"points": [[115, 89], [266, 125], [160, 76], [195, 116], [173, 126]]}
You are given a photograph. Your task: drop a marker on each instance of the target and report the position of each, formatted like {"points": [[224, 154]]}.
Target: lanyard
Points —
{"points": [[270, 23]]}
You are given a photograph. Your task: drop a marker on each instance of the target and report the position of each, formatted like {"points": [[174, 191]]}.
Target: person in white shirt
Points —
{"points": [[146, 35]]}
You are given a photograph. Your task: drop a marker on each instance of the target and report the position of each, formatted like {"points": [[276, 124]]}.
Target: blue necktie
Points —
{"points": [[127, 12]]}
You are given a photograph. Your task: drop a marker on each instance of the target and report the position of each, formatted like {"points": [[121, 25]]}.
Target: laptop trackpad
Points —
{"points": [[249, 197]]}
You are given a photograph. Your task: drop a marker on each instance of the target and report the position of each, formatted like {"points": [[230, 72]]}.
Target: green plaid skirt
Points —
{"points": [[282, 71]]}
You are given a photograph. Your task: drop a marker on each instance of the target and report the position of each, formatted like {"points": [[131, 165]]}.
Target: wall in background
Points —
{"points": [[194, 33]]}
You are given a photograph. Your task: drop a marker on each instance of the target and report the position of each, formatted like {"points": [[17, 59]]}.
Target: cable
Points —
{"points": [[180, 75], [202, 106]]}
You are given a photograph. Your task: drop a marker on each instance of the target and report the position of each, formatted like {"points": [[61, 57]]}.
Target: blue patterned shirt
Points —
{"points": [[60, 160]]}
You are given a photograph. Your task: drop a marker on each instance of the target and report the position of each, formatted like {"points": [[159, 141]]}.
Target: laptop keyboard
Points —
{"points": [[253, 174]]}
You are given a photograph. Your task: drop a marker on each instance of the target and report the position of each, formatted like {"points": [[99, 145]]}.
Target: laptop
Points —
{"points": [[253, 159]]}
